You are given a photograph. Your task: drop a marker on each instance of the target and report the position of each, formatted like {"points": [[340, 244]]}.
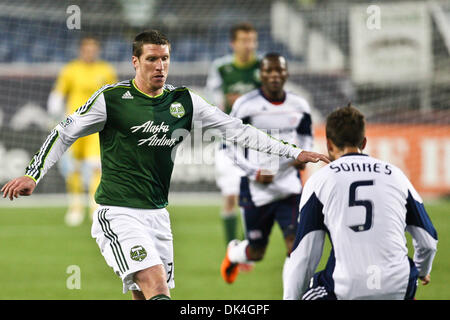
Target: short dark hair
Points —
{"points": [[243, 26], [148, 37], [272, 56], [346, 127]]}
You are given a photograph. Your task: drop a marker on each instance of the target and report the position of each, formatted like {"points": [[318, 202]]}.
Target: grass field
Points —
{"points": [[36, 248]]}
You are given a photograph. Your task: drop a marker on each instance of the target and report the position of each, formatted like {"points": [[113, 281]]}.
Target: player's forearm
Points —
{"points": [[425, 247], [49, 153], [253, 138]]}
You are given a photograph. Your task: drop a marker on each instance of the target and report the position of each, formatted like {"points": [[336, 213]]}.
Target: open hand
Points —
{"points": [[308, 156], [425, 280], [23, 186]]}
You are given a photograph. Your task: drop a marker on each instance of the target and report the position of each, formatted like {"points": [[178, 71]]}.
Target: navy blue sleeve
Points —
{"points": [[311, 219], [305, 125], [416, 215]]}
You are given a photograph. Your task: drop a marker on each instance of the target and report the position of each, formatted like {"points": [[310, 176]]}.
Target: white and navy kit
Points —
{"points": [[365, 205], [290, 121], [225, 77]]}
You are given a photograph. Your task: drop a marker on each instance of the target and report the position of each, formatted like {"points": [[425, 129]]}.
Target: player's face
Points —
{"points": [[245, 44], [89, 50], [274, 74], [153, 65]]}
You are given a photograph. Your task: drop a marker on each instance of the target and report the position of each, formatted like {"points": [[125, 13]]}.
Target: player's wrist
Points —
{"points": [[30, 177], [297, 152]]}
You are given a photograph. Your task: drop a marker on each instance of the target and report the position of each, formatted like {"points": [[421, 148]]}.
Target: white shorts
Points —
{"points": [[228, 175], [132, 239]]}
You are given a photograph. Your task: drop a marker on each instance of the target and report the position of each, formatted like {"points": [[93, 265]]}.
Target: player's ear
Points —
{"points": [[363, 144], [134, 61], [330, 145]]}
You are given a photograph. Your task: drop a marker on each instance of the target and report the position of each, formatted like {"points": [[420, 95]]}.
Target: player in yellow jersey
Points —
{"points": [[77, 81]]}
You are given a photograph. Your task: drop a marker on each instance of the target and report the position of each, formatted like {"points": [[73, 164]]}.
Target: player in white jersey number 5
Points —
{"points": [[365, 205], [140, 122]]}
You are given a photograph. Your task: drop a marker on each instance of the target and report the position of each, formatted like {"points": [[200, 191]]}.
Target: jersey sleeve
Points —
{"points": [[88, 119], [234, 131], [214, 86], [305, 132], [305, 128], [424, 235], [308, 246]]}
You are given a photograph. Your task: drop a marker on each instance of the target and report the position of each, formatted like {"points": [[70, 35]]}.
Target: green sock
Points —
{"points": [[160, 297], [230, 225]]}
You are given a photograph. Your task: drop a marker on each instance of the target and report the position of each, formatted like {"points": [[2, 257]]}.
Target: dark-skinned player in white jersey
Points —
{"points": [[140, 122], [270, 190]]}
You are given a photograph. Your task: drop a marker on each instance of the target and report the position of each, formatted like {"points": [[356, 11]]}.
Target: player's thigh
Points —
{"points": [[163, 240], [287, 211], [258, 223]]}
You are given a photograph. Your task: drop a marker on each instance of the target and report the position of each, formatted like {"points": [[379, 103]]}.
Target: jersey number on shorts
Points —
{"points": [[367, 204]]}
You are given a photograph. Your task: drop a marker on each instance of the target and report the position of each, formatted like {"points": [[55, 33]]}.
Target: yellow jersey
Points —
{"points": [[78, 80]]}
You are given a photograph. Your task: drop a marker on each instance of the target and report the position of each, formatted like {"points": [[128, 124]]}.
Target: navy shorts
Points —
{"points": [[259, 220]]}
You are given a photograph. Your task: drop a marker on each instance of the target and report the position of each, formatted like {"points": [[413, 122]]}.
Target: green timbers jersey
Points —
{"points": [[138, 134], [137, 143], [225, 76]]}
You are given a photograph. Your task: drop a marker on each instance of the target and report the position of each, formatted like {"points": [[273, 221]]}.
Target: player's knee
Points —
{"points": [[153, 277], [230, 203]]}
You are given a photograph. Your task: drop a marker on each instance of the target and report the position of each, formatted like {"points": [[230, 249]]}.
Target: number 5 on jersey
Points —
{"points": [[367, 204]]}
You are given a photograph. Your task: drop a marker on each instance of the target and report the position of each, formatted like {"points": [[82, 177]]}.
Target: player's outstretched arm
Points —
{"points": [[233, 130], [23, 186]]}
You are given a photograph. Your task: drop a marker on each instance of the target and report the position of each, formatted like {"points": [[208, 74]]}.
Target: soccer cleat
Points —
{"points": [[228, 269]]}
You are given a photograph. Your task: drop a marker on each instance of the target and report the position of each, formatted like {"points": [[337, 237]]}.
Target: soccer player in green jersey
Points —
{"points": [[230, 77], [140, 122]]}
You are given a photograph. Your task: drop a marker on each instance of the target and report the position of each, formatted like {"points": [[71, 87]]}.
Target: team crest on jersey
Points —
{"points": [[177, 110], [66, 122], [138, 253]]}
